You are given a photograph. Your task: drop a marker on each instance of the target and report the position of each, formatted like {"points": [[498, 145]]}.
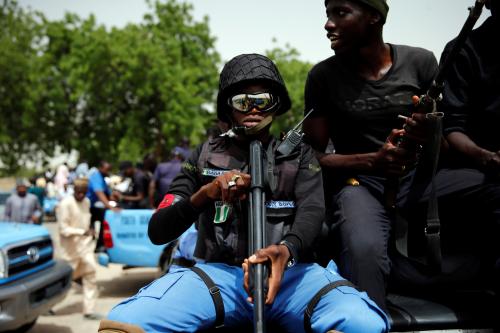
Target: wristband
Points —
{"points": [[292, 260]]}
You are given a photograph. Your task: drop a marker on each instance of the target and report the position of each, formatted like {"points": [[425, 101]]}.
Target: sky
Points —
{"points": [[243, 26]]}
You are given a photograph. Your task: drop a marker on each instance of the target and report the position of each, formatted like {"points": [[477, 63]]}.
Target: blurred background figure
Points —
{"points": [[164, 175], [183, 148], [37, 188], [147, 167], [77, 243], [65, 191], [131, 190], [99, 195], [82, 170], [22, 206], [61, 177]]}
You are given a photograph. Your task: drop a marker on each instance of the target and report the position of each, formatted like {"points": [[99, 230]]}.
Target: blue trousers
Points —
{"points": [[180, 302]]}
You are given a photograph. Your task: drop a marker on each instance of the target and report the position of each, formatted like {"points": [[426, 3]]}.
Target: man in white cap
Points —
{"points": [[77, 243]]}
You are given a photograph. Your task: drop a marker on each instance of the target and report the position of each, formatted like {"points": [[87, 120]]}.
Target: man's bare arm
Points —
{"points": [[483, 158]]}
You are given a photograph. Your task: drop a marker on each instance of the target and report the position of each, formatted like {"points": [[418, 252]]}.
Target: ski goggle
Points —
{"points": [[264, 102]]}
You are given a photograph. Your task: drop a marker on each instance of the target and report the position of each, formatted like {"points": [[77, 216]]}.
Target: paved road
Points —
{"points": [[114, 284]]}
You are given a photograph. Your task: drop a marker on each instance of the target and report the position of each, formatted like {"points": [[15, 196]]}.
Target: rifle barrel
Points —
{"points": [[257, 226], [433, 94], [474, 14]]}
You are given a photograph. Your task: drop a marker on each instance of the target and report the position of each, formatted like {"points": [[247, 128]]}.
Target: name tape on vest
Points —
{"points": [[213, 172], [280, 204]]}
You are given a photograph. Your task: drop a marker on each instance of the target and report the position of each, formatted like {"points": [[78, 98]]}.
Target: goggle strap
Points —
{"points": [[263, 123]]}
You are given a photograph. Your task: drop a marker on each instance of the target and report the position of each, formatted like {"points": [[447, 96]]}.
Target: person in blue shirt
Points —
{"points": [[99, 195]]}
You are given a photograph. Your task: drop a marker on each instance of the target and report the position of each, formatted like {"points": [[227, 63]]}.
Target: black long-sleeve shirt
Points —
{"points": [[303, 187], [471, 96]]}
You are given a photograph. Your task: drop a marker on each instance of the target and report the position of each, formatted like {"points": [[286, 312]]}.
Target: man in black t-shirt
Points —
{"points": [[133, 196], [471, 104], [357, 96], [471, 98]]}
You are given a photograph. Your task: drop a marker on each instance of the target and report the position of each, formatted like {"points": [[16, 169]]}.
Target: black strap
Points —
{"points": [[216, 296], [426, 169], [433, 226], [314, 301], [183, 262]]}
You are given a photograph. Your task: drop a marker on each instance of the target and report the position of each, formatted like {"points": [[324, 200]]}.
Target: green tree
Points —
{"points": [[134, 90], [20, 38], [173, 64], [72, 84], [294, 72]]}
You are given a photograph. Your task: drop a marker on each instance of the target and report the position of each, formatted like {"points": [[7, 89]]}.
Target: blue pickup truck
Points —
{"points": [[31, 281]]}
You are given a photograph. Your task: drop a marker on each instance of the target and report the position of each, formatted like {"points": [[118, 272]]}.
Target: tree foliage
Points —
{"points": [[74, 85], [19, 63], [110, 94], [294, 72]]}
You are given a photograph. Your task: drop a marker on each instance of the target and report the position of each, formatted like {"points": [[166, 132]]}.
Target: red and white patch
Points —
{"points": [[167, 201]]}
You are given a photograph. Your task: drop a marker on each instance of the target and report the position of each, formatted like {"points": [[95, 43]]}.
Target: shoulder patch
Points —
{"points": [[168, 200], [189, 167], [314, 167], [222, 211]]}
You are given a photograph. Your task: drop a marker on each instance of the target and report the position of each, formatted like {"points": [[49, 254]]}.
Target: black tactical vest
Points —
{"points": [[227, 241]]}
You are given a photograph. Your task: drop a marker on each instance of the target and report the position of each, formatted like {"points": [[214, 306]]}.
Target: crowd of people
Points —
{"points": [[78, 198], [138, 185]]}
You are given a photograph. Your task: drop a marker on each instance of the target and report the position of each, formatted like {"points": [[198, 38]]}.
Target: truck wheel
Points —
{"points": [[166, 256]]}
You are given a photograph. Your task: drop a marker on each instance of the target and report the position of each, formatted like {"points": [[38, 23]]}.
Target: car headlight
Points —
{"points": [[3, 265]]}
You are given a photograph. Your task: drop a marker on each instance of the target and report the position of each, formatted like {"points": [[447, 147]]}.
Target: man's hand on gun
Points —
{"points": [[417, 127], [229, 187], [401, 149], [232, 186], [392, 159], [276, 258]]}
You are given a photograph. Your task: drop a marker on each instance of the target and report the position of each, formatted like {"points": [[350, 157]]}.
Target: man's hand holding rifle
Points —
{"points": [[232, 187]]}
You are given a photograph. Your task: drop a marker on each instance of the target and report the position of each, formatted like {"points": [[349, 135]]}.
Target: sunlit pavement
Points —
{"points": [[114, 284]]}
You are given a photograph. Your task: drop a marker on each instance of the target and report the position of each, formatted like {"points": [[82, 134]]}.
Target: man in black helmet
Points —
{"points": [[357, 96], [212, 190]]}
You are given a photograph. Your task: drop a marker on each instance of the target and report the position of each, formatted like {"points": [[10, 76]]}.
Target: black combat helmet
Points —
{"points": [[247, 68]]}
